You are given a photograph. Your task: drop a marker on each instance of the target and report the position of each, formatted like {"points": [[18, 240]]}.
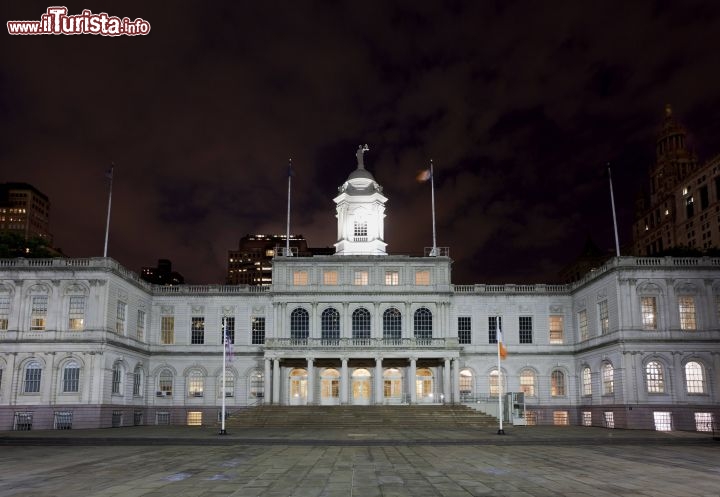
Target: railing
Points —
{"points": [[436, 252], [362, 343]]}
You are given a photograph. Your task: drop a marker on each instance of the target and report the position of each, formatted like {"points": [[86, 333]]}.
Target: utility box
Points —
{"points": [[515, 408]]}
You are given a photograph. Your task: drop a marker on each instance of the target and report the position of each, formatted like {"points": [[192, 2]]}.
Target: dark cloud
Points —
{"points": [[521, 105]]}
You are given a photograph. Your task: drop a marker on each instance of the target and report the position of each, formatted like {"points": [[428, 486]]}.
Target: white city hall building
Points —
{"points": [[86, 343]]}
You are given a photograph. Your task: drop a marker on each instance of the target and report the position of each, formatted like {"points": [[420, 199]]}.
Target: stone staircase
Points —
{"points": [[389, 416]]}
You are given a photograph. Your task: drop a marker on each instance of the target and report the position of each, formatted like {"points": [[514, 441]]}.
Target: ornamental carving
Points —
{"points": [[556, 309], [647, 287], [686, 288]]}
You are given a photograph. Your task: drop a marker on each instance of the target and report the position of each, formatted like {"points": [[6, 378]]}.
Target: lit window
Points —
{"points": [[300, 278], [694, 377], [587, 418], [649, 312], [586, 381], [609, 419], [392, 278], [257, 384], [654, 377], [686, 306], [330, 277], [196, 384], [140, 334], [556, 329], [360, 231], [422, 277], [527, 382], [608, 379], [165, 382], [495, 385], [229, 385], [561, 418], [197, 330], [361, 278], [604, 317], [194, 418], [39, 309], [76, 313], [466, 384], [663, 421], [704, 421], [167, 330]]}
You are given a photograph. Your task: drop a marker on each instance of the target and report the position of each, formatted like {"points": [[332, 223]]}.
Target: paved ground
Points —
{"points": [[369, 462]]}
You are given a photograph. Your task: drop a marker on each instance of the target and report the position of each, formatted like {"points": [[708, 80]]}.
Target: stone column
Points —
{"points": [[310, 381], [344, 381], [412, 380], [447, 394], [379, 391], [267, 386], [276, 381], [455, 379], [407, 321]]}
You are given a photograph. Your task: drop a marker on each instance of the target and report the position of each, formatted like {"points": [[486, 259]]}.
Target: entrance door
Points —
{"points": [[330, 387], [392, 386], [361, 386], [298, 387], [424, 386]]}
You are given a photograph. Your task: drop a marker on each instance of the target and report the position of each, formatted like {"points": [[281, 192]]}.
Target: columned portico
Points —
{"points": [[412, 379], [447, 396], [310, 381], [344, 381], [378, 381]]}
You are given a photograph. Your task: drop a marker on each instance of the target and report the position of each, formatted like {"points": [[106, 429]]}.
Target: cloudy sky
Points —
{"points": [[520, 104]]}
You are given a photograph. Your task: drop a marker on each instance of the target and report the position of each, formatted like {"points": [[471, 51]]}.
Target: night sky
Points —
{"points": [[520, 105]]}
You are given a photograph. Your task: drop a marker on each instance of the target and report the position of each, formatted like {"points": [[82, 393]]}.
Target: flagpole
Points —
{"points": [[287, 233], [224, 347], [107, 223], [498, 337], [612, 203], [433, 252]]}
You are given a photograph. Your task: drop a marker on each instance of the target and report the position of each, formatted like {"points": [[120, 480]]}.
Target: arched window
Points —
{"points": [[257, 384], [494, 383], [299, 324], [466, 384], [527, 382], [557, 383], [117, 379], [361, 323], [423, 324], [196, 383], [654, 377], [586, 381], [229, 384], [330, 325], [392, 324], [694, 377], [608, 379], [33, 375], [165, 382], [71, 377], [138, 381]]}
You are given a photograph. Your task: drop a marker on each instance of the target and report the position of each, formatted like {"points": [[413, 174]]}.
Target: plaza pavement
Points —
{"points": [[158, 461]]}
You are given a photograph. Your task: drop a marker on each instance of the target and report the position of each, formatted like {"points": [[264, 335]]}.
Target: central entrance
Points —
{"points": [[330, 387], [424, 386], [361, 386], [298, 387], [392, 386]]}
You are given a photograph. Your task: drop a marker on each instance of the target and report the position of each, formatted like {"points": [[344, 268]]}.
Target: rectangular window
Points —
{"points": [[71, 380], [4, 313], [120, 320], [609, 419], [587, 418], [663, 421], [361, 278], [686, 305], [360, 231], [464, 330], [330, 277], [140, 325], [32, 379], [494, 322], [197, 330], [392, 278], [604, 317], [76, 313], [194, 418], [229, 329], [703, 421], [689, 207], [560, 418], [162, 418], [300, 278], [648, 309], [583, 325], [38, 311], [556, 329], [258, 330], [422, 277], [525, 329], [116, 380], [137, 383], [167, 330]]}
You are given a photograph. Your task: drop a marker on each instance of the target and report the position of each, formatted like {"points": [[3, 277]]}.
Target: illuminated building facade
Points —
{"points": [[24, 210], [87, 343]]}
